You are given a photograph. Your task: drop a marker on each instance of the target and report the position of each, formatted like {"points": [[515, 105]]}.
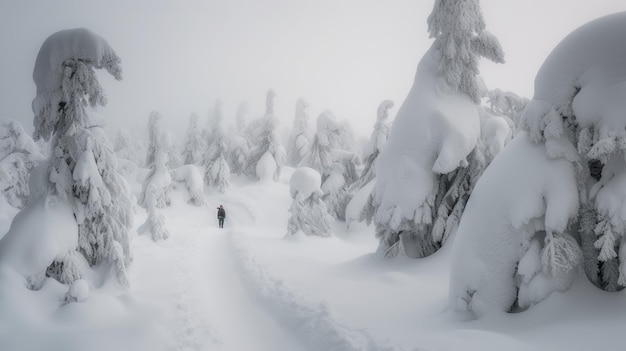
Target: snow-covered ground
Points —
{"points": [[247, 287]]}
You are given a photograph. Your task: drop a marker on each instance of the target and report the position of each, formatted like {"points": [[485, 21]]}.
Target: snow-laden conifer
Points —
{"points": [[216, 170], [155, 137], [308, 212], [19, 154], [458, 28], [155, 223], [509, 104], [300, 138], [192, 177], [128, 148], [567, 212], [195, 145], [434, 153], [160, 180], [82, 168], [170, 144], [336, 165], [265, 141], [376, 144]]}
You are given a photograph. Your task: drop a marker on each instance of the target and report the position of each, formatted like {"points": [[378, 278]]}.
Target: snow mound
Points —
{"points": [[43, 230], [266, 167], [192, 177], [508, 206], [305, 182], [78, 292], [584, 76], [313, 324]]}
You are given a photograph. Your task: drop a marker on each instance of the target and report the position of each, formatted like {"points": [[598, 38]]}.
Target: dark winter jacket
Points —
{"points": [[221, 213]]}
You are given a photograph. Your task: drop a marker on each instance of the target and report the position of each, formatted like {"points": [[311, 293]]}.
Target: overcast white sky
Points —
{"points": [[344, 55]]}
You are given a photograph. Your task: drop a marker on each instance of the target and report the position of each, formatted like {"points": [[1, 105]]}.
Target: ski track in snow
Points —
{"points": [[225, 300], [312, 324], [193, 330]]}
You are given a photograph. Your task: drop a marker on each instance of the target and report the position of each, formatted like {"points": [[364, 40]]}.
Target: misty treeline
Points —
{"points": [[411, 179], [82, 167]]}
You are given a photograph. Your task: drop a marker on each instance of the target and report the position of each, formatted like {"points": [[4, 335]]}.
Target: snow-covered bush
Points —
{"points": [[82, 169], [308, 212], [301, 135], [192, 177], [265, 141], [559, 187], [434, 154], [18, 156]]}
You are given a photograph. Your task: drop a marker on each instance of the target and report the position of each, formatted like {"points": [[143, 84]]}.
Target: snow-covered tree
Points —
{"points": [[376, 143], [266, 141], [300, 139], [336, 166], [82, 167], [553, 200], [308, 212], [170, 145], [155, 137], [216, 170], [458, 28], [241, 117], [158, 181], [238, 150], [155, 223], [128, 148], [191, 175], [195, 145], [19, 154], [435, 153], [509, 104]]}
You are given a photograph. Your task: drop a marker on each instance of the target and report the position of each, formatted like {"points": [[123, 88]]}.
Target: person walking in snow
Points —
{"points": [[221, 214]]}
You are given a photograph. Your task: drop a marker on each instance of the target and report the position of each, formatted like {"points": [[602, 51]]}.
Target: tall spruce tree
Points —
{"points": [[82, 167], [419, 197]]}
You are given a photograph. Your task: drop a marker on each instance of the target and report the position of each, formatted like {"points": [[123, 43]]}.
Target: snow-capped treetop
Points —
{"points": [[241, 117], [217, 111], [381, 128], [13, 138], [582, 77], [301, 134], [304, 182], [73, 44], [154, 137], [328, 129], [269, 102], [461, 39]]}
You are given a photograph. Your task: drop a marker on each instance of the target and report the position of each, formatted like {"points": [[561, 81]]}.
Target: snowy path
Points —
{"points": [[211, 307], [243, 323], [224, 300]]}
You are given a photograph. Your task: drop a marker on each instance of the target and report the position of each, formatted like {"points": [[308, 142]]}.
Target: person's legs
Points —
{"points": [[221, 222]]}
